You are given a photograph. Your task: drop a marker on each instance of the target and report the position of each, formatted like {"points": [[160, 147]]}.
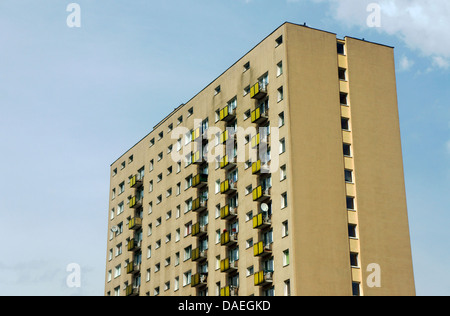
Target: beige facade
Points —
{"points": [[329, 218]]}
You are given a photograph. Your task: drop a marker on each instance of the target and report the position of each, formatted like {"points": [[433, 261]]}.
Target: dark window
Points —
{"points": [[344, 98], [352, 231], [345, 124], [354, 259], [342, 74], [350, 203], [347, 150], [279, 40], [356, 289], [341, 49], [349, 176]]}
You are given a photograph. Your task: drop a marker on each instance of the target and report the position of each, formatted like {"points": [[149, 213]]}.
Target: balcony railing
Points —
{"points": [[135, 223], [199, 255], [228, 266], [227, 163], [227, 114], [199, 230], [263, 278], [258, 139], [199, 279], [199, 204], [261, 221], [200, 180], [229, 291], [134, 245], [132, 290], [134, 202], [258, 117], [135, 182], [197, 158], [228, 212], [133, 268], [260, 195], [227, 239], [258, 91], [261, 250], [228, 187], [259, 167]]}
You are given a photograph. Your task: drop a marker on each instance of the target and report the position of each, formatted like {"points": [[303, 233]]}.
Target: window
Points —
{"points": [[352, 231], [188, 182], [279, 41], [282, 146], [167, 286], [113, 194], [217, 187], [217, 90], [187, 253], [350, 203], [187, 278], [285, 229], [283, 173], [160, 135], [280, 94], [168, 215], [284, 200], [118, 249], [177, 235], [180, 120], [345, 123], [159, 177], [117, 271], [279, 68], [187, 229], [250, 271], [170, 128], [347, 150], [169, 192], [122, 165], [287, 288], [156, 291], [341, 48], [167, 262], [152, 142], [179, 188], [356, 289], [149, 252], [342, 74], [354, 259], [343, 98], [190, 111], [246, 66], [281, 119], [114, 172], [176, 285], [248, 189], [348, 176], [286, 258], [249, 216], [130, 159], [246, 90], [247, 115], [150, 186], [160, 156], [121, 187]]}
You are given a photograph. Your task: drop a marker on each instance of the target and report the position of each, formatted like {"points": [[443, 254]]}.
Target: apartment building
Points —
{"points": [[284, 176]]}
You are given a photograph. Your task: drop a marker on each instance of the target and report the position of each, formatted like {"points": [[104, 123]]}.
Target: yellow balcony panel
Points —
{"points": [[258, 91], [259, 167], [199, 279], [226, 114], [229, 291], [227, 163], [261, 221], [200, 204], [260, 195], [263, 278], [258, 117], [227, 239], [200, 180], [197, 158], [228, 187], [199, 255], [196, 133], [135, 223], [133, 268], [199, 230], [228, 266], [135, 203], [228, 212], [135, 182], [261, 250], [134, 245], [132, 290]]}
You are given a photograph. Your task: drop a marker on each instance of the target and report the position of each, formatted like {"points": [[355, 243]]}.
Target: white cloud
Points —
{"points": [[422, 24], [406, 63]]}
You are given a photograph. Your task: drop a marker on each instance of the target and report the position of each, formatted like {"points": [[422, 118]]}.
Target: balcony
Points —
{"points": [[258, 117], [200, 180], [229, 291], [135, 223], [133, 268], [228, 163], [199, 230], [258, 168], [197, 158], [199, 279], [135, 183], [259, 139], [261, 250], [260, 195], [132, 290], [263, 278], [135, 203], [228, 187], [228, 266], [199, 255], [258, 91], [227, 239], [227, 114], [261, 221], [134, 245], [200, 204], [228, 212]]}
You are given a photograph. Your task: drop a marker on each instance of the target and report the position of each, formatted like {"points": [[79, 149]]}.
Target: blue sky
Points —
{"points": [[73, 100]]}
